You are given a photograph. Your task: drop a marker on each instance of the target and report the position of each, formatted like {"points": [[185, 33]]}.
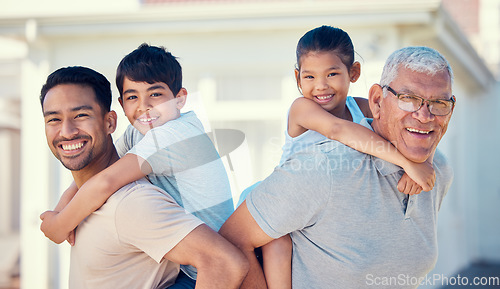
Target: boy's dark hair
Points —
{"points": [[325, 39], [150, 64], [82, 76]]}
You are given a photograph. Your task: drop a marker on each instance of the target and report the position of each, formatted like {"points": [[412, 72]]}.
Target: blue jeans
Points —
{"points": [[183, 282]]}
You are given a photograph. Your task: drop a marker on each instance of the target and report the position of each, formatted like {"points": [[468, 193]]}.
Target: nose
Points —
{"points": [[68, 129], [321, 84], [144, 104], [423, 114]]}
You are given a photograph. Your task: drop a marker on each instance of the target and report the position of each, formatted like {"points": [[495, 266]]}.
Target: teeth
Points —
{"points": [[417, 131], [324, 97], [72, 147], [147, 119]]}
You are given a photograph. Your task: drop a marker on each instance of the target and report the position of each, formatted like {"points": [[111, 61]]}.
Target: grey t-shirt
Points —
{"points": [[350, 226]]}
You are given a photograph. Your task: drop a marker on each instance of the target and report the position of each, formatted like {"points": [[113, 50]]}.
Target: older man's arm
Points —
{"points": [[218, 262], [242, 230]]}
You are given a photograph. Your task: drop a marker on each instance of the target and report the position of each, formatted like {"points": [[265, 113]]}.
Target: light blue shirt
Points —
{"points": [[186, 164]]}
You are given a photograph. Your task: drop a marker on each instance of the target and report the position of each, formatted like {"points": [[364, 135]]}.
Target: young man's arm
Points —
{"points": [[219, 263], [242, 230]]}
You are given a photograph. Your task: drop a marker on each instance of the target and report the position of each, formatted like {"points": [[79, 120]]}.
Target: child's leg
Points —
{"points": [[277, 257]]}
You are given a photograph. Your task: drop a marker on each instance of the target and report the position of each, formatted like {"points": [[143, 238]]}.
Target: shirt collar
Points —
{"points": [[383, 167]]}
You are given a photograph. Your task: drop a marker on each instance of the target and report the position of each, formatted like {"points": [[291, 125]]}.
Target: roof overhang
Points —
{"points": [[419, 21]]}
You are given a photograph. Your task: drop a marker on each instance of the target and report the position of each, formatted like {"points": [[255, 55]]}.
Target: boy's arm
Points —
{"points": [[66, 197], [92, 195], [309, 115], [242, 230], [218, 262]]}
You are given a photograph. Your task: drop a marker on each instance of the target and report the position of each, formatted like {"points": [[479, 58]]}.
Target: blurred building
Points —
{"points": [[238, 58]]}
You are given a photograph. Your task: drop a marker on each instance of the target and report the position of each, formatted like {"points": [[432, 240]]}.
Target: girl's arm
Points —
{"points": [[92, 195], [306, 114]]}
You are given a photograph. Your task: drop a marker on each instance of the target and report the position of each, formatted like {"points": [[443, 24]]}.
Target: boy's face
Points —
{"points": [[150, 105]]}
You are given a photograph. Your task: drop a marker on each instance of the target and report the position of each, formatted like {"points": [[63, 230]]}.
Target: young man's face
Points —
{"points": [[76, 126], [150, 105]]}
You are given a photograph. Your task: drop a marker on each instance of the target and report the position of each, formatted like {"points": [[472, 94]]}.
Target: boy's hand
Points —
{"points": [[71, 238], [422, 174], [408, 186], [50, 227]]}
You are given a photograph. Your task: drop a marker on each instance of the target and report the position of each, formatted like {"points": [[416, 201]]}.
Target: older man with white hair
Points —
{"points": [[350, 226]]}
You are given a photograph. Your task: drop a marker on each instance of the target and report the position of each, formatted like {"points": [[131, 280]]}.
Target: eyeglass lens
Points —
{"points": [[413, 103]]}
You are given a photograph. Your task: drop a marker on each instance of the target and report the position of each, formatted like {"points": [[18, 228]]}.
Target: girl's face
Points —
{"points": [[325, 79]]}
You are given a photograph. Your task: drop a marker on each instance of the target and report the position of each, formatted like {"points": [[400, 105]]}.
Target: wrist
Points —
{"points": [[61, 224], [406, 164]]}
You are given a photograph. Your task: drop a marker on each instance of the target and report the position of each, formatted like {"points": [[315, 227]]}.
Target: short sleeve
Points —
{"points": [[125, 142], [292, 197], [152, 222], [175, 147], [444, 176]]}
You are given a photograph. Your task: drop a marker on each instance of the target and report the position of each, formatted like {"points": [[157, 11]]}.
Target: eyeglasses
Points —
{"points": [[412, 103]]}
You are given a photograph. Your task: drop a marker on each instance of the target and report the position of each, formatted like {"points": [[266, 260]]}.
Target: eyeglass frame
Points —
{"points": [[422, 100]]}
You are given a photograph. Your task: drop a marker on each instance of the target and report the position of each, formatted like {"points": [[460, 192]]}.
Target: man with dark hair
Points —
{"points": [[138, 238]]}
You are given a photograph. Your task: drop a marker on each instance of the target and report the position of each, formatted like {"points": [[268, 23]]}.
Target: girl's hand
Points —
{"points": [[50, 227], [408, 186], [421, 173]]}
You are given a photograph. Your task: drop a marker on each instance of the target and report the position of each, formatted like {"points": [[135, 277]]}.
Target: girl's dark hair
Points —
{"points": [[150, 64], [329, 39], [82, 76]]}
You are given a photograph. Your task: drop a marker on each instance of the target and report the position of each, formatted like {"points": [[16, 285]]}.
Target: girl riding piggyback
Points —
{"points": [[325, 69]]}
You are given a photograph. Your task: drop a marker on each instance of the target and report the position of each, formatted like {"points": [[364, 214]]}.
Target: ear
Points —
{"points": [[375, 98], [453, 108], [297, 78], [355, 72], [111, 119], [181, 98], [120, 100]]}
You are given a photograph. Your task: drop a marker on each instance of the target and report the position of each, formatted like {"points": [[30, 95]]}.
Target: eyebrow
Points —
{"points": [[158, 86], [78, 108], [435, 97], [328, 69]]}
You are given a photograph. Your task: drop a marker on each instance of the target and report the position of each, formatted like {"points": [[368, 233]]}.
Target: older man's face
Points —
{"points": [[415, 134]]}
